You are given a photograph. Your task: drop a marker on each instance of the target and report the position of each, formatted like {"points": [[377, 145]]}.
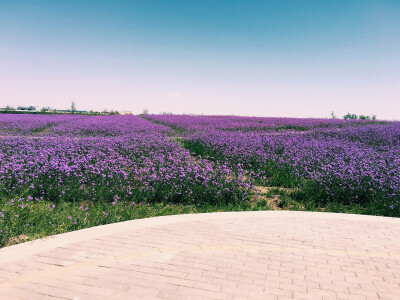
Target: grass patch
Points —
{"points": [[43, 218]]}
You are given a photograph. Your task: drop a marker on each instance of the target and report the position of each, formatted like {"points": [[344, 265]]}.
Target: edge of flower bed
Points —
{"points": [[16, 252]]}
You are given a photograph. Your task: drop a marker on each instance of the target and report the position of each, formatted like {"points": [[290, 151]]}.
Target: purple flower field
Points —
{"points": [[234, 123], [26, 124], [65, 172], [103, 158], [345, 161]]}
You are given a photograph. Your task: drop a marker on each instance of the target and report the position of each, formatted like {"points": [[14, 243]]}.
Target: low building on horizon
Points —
{"points": [[125, 112], [27, 108]]}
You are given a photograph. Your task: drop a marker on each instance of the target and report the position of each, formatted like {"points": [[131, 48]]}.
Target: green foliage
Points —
{"points": [[350, 116], [46, 218], [9, 108], [93, 113], [360, 117], [73, 107]]}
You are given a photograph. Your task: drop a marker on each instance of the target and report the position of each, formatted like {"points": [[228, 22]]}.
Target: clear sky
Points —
{"points": [[266, 58]]}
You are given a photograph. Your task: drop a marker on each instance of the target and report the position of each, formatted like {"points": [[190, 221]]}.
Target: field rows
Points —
{"points": [[61, 173]]}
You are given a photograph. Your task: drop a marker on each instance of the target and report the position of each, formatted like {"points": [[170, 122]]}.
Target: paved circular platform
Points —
{"points": [[238, 255]]}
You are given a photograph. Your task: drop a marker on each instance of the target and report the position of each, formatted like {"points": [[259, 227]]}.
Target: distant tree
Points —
{"points": [[73, 107], [362, 117], [333, 115], [373, 117], [350, 117], [145, 111], [9, 108]]}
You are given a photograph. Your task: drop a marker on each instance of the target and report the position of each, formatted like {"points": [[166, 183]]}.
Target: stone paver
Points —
{"points": [[238, 255]]}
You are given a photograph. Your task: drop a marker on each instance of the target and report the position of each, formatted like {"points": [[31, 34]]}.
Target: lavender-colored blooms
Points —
{"points": [[127, 158], [341, 160], [110, 158], [235, 123], [32, 125]]}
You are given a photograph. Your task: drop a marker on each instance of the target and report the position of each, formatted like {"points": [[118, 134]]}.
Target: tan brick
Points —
{"points": [[366, 293], [224, 282], [336, 286], [240, 278], [389, 296], [348, 296], [266, 255], [16, 293], [217, 295], [294, 288], [207, 286], [252, 275], [324, 293], [170, 295], [260, 295], [306, 296], [278, 292], [318, 280]]}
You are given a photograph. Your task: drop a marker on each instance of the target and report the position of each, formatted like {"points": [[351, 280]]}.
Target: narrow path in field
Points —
{"points": [[261, 193], [238, 255]]}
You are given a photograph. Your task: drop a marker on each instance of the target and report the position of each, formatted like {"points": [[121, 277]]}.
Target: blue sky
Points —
{"points": [[268, 58]]}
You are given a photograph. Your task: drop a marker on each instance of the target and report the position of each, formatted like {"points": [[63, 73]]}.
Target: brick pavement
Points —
{"points": [[239, 255]]}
